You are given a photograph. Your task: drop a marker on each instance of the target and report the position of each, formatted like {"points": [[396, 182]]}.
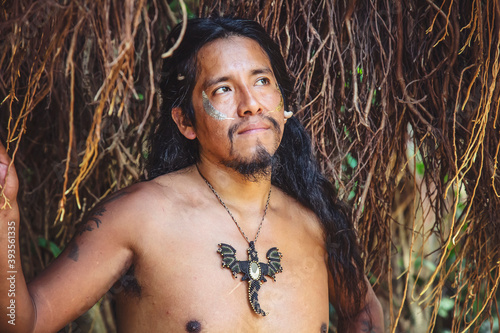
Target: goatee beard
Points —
{"points": [[257, 168]]}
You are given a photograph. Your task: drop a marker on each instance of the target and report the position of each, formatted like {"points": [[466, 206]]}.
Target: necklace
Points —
{"points": [[253, 270]]}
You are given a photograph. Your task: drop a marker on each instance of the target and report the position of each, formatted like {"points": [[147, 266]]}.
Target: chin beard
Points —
{"points": [[256, 168], [259, 166]]}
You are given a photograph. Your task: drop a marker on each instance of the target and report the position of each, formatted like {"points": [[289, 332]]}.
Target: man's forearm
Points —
{"points": [[16, 307]]}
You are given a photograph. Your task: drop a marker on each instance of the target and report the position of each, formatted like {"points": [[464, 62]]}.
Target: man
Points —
{"points": [[231, 181]]}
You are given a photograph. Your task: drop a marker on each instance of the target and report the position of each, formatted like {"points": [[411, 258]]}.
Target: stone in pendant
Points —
{"points": [[254, 270]]}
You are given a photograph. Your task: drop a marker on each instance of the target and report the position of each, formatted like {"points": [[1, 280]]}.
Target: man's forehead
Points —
{"points": [[233, 49]]}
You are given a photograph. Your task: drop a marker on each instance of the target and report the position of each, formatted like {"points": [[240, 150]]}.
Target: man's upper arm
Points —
{"points": [[97, 256], [370, 317]]}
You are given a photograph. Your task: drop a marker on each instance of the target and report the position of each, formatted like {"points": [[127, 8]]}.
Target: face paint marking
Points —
{"points": [[211, 110], [280, 105]]}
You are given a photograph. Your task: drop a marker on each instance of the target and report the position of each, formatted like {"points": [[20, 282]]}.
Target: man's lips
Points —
{"points": [[253, 128]]}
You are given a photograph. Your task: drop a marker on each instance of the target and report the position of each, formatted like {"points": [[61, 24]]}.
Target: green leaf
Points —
{"points": [[346, 131], [56, 251], [51, 246], [351, 196], [351, 161], [445, 307], [42, 242], [464, 228], [420, 168], [371, 278], [374, 98], [176, 8], [360, 73]]}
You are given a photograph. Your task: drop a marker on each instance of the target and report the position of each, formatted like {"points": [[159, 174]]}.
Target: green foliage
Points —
{"points": [[420, 168], [139, 97], [175, 7], [360, 73], [419, 262], [351, 161], [445, 307], [352, 194], [50, 246]]}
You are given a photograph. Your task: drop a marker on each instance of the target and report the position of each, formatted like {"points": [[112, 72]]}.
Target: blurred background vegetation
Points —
{"points": [[401, 99]]}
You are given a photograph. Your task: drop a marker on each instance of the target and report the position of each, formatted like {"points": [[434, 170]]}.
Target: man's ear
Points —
{"points": [[183, 123]]}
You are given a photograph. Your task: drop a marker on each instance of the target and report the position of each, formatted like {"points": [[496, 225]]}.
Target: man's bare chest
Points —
{"points": [[181, 280]]}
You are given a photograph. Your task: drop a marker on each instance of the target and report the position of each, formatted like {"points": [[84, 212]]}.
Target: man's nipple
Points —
{"points": [[193, 326]]}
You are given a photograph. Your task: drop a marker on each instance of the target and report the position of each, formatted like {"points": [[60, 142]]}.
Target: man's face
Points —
{"points": [[237, 102]]}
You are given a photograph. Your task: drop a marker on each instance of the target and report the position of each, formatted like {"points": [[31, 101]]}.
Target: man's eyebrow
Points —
{"points": [[214, 81], [264, 70]]}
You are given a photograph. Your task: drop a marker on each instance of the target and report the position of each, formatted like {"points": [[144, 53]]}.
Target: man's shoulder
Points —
{"points": [[154, 192], [297, 212], [289, 202], [174, 179]]}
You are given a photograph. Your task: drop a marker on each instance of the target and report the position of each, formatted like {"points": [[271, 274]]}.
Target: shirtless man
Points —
{"points": [[228, 169]]}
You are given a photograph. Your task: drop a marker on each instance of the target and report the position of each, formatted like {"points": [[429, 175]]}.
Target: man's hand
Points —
{"points": [[9, 183], [76, 279], [16, 304]]}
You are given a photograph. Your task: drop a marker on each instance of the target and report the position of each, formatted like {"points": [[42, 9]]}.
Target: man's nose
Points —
{"points": [[249, 105]]}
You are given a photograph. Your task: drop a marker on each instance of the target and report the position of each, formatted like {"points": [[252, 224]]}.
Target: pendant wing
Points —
{"points": [[229, 260], [273, 266]]}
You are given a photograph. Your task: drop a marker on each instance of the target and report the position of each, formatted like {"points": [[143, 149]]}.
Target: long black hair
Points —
{"points": [[295, 170]]}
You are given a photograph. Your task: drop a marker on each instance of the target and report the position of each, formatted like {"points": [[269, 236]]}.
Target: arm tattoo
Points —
{"points": [[73, 251], [94, 219]]}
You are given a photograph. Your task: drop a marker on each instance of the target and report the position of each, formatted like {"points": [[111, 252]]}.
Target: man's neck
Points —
{"points": [[236, 189]]}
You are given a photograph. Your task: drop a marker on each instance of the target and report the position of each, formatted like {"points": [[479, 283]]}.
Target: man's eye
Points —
{"points": [[262, 81], [221, 90]]}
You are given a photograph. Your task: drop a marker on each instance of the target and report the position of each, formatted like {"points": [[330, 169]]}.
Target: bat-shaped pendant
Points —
{"points": [[253, 270]]}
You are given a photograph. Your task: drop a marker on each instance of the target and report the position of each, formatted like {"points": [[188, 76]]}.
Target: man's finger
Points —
{"points": [[4, 157], [3, 173]]}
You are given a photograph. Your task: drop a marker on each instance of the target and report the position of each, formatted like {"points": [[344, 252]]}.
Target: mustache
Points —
{"points": [[234, 128]]}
